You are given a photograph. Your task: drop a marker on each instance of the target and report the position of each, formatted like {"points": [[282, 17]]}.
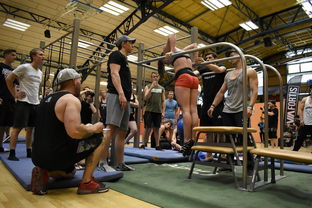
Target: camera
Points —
{"points": [[89, 93]]}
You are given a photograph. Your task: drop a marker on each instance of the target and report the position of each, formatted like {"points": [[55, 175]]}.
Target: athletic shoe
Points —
{"points": [[187, 148], [13, 158], [105, 168], [92, 187], [2, 149], [123, 167], [158, 148], [142, 146], [39, 181]]}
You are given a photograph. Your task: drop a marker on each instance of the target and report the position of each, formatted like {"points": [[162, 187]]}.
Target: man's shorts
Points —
{"points": [[187, 80], [114, 114], [152, 120], [65, 157], [25, 115], [216, 120], [7, 114], [272, 133]]}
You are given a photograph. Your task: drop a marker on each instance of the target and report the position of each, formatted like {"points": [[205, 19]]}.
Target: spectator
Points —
{"points": [[118, 102], [154, 97], [7, 101], [29, 77]]}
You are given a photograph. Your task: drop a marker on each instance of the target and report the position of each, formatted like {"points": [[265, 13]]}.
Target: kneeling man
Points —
{"points": [[61, 140]]}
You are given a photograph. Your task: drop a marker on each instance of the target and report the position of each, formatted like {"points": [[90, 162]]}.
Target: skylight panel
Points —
{"points": [[166, 30], [306, 6], [216, 4]]}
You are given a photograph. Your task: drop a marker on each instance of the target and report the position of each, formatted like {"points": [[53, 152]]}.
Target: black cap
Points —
{"points": [[124, 38]]}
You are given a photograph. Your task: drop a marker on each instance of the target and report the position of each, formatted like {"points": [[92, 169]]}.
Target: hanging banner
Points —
{"points": [[292, 100]]}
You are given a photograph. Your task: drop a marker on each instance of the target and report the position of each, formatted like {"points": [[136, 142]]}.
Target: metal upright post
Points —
{"points": [[74, 44], [281, 115], [42, 44], [139, 88], [266, 121], [97, 92], [194, 38]]}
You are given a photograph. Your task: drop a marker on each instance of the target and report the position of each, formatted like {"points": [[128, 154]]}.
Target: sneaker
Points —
{"points": [[92, 187], [13, 158], [2, 149], [123, 167], [39, 181], [142, 146], [187, 148], [158, 148], [105, 168]]}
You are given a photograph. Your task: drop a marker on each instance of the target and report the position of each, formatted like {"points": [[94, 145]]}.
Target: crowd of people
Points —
{"points": [[65, 135]]}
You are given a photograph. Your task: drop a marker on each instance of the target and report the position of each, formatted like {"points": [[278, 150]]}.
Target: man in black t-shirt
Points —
{"points": [[7, 101], [118, 102], [213, 78], [273, 121]]}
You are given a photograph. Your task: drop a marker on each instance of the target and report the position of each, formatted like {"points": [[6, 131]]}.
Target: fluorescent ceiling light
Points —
{"points": [[132, 58], [306, 6], [215, 4], [166, 30], [103, 83], [114, 8], [16, 24], [249, 25]]}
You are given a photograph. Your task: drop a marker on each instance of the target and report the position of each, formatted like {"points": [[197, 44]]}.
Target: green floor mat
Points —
{"points": [[167, 185]]}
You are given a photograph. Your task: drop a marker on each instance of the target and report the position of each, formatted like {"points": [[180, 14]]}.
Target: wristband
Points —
{"points": [[250, 107], [212, 106]]}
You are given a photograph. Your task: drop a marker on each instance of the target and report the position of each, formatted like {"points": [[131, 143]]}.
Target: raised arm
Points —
{"points": [[192, 46]]}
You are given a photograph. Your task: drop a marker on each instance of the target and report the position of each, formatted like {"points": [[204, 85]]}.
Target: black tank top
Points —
{"points": [[50, 137]]}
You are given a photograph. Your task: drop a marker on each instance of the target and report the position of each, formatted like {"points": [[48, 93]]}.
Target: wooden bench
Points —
{"points": [[275, 153], [229, 150]]}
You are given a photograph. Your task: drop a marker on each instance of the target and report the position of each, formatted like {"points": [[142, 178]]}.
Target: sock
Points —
{"points": [[12, 153], [28, 150]]}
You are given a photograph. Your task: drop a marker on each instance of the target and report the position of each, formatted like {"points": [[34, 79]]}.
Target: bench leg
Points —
{"points": [[193, 164], [255, 173], [273, 170], [235, 152], [233, 171]]}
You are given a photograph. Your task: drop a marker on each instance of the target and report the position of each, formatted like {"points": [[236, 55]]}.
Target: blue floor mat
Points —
{"points": [[135, 160], [21, 170], [156, 155], [293, 167]]}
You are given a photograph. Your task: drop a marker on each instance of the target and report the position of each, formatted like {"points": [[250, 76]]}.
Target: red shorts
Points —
{"points": [[187, 80]]}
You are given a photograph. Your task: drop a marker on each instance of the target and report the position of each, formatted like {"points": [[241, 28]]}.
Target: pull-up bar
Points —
{"points": [[197, 49]]}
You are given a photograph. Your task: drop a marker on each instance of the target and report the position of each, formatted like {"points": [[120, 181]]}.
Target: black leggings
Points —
{"points": [[302, 134]]}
